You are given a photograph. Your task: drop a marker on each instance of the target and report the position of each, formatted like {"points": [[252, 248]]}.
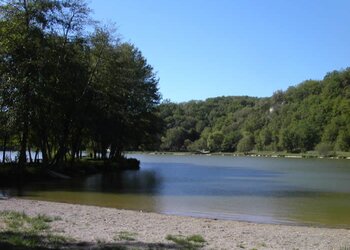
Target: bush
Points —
{"points": [[325, 149], [246, 144]]}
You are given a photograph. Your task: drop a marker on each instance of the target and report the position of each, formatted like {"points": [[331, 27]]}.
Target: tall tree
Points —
{"points": [[66, 88]]}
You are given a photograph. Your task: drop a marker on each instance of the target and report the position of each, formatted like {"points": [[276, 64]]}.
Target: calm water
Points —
{"points": [[300, 191]]}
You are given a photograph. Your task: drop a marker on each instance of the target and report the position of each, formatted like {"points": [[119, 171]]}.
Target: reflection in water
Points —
{"points": [[128, 182], [254, 189], [125, 182], [122, 201]]}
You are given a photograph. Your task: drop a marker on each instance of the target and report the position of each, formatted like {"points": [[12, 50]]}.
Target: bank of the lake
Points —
{"points": [[269, 154], [108, 226]]}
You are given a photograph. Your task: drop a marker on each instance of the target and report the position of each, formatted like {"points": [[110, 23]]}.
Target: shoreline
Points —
{"points": [[93, 224], [251, 154]]}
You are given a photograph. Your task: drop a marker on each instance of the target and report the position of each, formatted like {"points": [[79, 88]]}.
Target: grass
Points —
{"points": [[22, 231], [241, 246], [16, 221], [192, 242], [125, 235], [263, 244]]}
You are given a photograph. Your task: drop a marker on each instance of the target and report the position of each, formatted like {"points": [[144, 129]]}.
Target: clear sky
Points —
{"points": [[209, 48]]}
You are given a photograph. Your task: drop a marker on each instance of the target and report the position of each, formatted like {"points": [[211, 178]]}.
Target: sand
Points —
{"points": [[98, 224]]}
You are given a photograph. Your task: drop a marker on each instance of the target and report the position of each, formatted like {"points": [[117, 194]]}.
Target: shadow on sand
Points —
{"points": [[24, 241]]}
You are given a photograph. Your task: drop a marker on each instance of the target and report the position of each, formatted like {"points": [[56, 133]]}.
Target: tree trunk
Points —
{"points": [[4, 149], [22, 153], [76, 145], [112, 153], [44, 150], [30, 154], [49, 150], [23, 148], [118, 153], [104, 153], [73, 154], [61, 154], [44, 155], [36, 156]]}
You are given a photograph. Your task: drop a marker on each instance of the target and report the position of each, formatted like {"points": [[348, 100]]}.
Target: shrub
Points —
{"points": [[325, 149]]}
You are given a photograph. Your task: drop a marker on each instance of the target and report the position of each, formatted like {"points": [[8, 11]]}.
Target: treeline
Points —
{"points": [[64, 89], [312, 115]]}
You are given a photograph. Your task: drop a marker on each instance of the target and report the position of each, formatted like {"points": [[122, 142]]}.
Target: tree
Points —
{"points": [[324, 149], [65, 89], [231, 141], [126, 97], [215, 141], [300, 118], [246, 144], [343, 140], [174, 139]]}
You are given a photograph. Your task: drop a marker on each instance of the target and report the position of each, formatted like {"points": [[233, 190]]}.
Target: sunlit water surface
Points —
{"points": [[290, 191]]}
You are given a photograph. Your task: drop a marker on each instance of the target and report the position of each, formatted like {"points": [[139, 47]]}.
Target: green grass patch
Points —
{"points": [[262, 244], [191, 242], [56, 218], [241, 246], [38, 224], [196, 238], [125, 235], [22, 231], [45, 218], [22, 240], [29, 240], [16, 221]]}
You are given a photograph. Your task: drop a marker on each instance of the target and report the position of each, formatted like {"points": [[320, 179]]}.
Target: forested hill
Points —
{"points": [[311, 115]]}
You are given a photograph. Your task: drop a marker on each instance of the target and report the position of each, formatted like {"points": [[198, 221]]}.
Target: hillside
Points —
{"points": [[311, 115]]}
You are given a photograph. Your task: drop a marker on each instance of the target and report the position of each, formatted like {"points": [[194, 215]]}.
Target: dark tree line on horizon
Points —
{"points": [[64, 89], [314, 115]]}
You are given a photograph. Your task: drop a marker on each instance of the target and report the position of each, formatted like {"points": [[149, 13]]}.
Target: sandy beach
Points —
{"points": [[91, 224]]}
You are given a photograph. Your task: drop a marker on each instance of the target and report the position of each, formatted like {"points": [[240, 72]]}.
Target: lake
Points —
{"points": [[266, 190]]}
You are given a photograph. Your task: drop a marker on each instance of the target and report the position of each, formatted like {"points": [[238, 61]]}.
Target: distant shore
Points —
{"points": [[343, 156], [140, 230]]}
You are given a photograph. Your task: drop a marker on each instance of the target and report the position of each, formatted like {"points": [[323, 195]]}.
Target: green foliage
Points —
{"points": [[343, 140], [196, 238], [246, 144], [324, 149], [125, 235], [197, 145], [20, 221], [62, 90], [174, 139], [295, 120], [24, 232], [215, 141], [189, 243], [231, 140]]}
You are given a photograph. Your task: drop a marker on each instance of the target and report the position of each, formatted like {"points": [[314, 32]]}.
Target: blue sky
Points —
{"points": [[209, 48]]}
